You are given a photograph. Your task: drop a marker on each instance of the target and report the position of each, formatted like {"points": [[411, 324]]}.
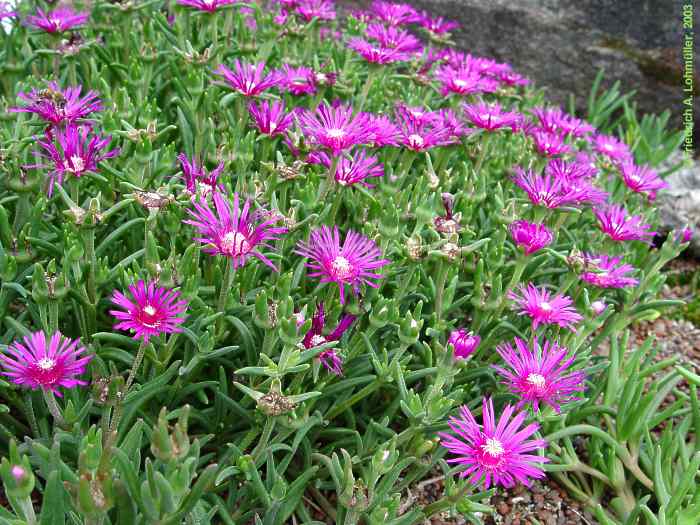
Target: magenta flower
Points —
{"points": [[512, 79], [607, 272], [334, 128], [394, 14], [641, 179], [248, 79], [234, 233], [6, 11], [463, 342], [575, 176], [540, 374], [76, 153], [351, 170], [464, 81], [57, 21], [376, 53], [206, 5], [544, 308], [381, 131], [314, 337], [549, 144], [149, 311], [616, 224], [394, 38], [570, 171], [437, 26], [270, 117], [490, 117], [556, 121], [529, 236], [310, 9], [612, 148], [420, 133], [545, 190], [297, 80], [58, 106], [598, 307], [196, 177], [46, 362], [684, 236], [352, 263], [498, 451]]}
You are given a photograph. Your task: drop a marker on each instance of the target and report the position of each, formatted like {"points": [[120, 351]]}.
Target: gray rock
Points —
{"points": [[679, 205]]}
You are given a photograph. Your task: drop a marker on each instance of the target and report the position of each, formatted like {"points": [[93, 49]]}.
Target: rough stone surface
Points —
{"points": [[679, 205]]}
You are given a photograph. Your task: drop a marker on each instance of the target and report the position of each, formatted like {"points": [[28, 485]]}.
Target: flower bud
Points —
{"points": [[463, 342], [598, 307]]}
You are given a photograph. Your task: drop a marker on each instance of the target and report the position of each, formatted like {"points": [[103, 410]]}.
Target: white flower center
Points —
{"points": [[317, 340], [493, 447], [46, 363], [536, 380], [416, 140], [341, 267], [249, 85], [149, 310], [460, 83], [235, 243], [77, 164], [545, 306], [56, 22], [273, 127], [608, 147], [336, 133]]}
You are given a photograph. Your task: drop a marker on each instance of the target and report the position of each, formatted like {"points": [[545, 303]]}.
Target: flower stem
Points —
{"points": [[135, 366], [482, 156], [366, 87], [53, 406], [440, 289], [224, 293]]}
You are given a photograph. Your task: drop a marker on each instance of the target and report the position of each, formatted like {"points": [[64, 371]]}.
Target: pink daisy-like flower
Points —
{"points": [[544, 308], [576, 176], [394, 14], [57, 21], [248, 79], [234, 233], [437, 26], [47, 362], [57, 106], [197, 179], [529, 236], [641, 179], [352, 263], [149, 311], [512, 79], [490, 116], [310, 9], [684, 236], [616, 224], [351, 170], [381, 131], [556, 121], [210, 6], [545, 190], [464, 81], [420, 133], [72, 151], [607, 272], [549, 144], [463, 342], [394, 38], [614, 149], [570, 171], [376, 53], [540, 374], [334, 128], [270, 117], [297, 80], [314, 337], [497, 452]]}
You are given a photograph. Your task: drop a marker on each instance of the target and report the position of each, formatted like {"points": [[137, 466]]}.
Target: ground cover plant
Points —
{"points": [[271, 264]]}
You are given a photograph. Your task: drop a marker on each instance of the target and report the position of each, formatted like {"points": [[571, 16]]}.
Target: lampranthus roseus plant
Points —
{"points": [[269, 263]]}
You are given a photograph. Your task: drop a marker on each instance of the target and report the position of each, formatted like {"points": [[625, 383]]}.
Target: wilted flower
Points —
{"points": [[529, 236], [540, 374], [463, 342], [490, 116], [616, 224], [149, 311], [47, 362], [248, 79], [270, 117], [394, 14], [58, 106], [607, 272], [352, 263], [641, 179], [234, 233], [196, 178], [310, 9], [76, 153], [334, 128], [314, 337], [57, 21], [206, 5], [612, 148], [448, 223], [497, 452], [544, 308], [353, 169]]}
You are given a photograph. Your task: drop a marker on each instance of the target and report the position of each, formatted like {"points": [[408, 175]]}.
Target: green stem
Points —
{"points": [[135, 366], [53, 406], [27, 510], [224, 293], [365, 89], [53, 315], [482, 156], [264, 438], [440, 289]]}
